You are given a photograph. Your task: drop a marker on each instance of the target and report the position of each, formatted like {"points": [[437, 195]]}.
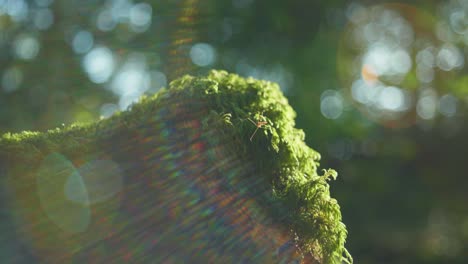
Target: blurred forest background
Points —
{"points": [[380, 89]]}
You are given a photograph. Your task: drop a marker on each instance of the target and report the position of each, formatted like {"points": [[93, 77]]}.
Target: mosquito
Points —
{"points": [[258, 124]]}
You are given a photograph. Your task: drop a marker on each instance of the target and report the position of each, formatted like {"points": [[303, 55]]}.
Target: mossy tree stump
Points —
{"points": [[174, 179]]}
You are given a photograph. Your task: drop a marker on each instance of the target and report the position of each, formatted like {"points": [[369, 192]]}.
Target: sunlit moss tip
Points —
{"points": [[279, 153]]}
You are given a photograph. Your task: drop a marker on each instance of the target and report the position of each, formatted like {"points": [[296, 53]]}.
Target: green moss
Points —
{"points": [[299, 196], [279, 153]]}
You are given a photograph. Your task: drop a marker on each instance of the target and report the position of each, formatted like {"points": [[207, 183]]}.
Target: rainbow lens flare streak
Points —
{"points": [[161, 192]]}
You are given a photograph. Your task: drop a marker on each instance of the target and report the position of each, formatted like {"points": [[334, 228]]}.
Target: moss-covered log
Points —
{"points": [[177, 178]]}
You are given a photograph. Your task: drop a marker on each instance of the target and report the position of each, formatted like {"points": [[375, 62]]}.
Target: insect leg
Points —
{"points": [[255, 124], [253, 134]]}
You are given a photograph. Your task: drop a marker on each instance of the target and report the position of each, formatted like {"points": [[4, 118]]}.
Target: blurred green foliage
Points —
{"points": [[399, 151]]}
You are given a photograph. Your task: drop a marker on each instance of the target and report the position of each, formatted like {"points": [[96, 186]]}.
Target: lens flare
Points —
{"points": [[161, 192]]}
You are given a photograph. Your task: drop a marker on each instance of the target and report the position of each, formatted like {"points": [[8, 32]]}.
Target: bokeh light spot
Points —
{"points": [[11, 79], [120, 10], [131, 81], [364, 93], [449, 57], [107, 110], [448, 105], [459, 21], [368, 74], [82, 42], [391, 98], [105, 21], [202, 54], [43, 18], [427, 105], [382, 60], [425, 61], [17, 9], [99, 64], [331, 104], [400, 62], [426, 57], [26, 47], [140, 16], [377, 58]]}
